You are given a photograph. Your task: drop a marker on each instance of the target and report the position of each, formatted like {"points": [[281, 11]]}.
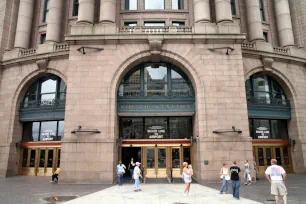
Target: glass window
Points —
{"points": [[261, 89], [154, 24], [48, 131], [60, 129], [261, 161], [233, 7], [279, 129], [251, 129], [176, 158], [262, 11], [286, 156], [154, 4], [42, 158], [156, 128], [25, 158], [155, 79], [268, 156], [150, 158], [186, 155], [177, 4], [130, 4], [132, 128], [278, 156], [161, 158], [180, 87], [46, 10], [130, 86], [42, 38], [178, 23], [31, 131], [32, 157], [130, 24], [180, 127], [75, 9], [262, 129], [59, 159], [265, 35], [50, 158]]}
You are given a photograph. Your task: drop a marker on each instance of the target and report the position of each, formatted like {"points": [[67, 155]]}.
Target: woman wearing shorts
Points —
{"points": [[187, 178]]}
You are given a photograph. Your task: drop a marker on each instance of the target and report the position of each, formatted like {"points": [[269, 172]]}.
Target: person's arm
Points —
{"points": [[284, 178], [268, 177], [124, 166], [186, 171], [221, 173]]}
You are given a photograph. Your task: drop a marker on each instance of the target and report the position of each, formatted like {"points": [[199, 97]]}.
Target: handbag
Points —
{"points": [[123, 171], [221, 177]]}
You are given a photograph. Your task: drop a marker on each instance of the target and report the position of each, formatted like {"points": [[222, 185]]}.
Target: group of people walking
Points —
{"points": [[275, 174]]}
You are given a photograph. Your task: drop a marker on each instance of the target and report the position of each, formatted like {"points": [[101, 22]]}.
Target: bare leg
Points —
{"points": [[188, 188], [285, 199], [185, 191], [276, 199]]}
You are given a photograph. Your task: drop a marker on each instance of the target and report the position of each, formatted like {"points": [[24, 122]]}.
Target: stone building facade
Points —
{"points": [[86, 83]]}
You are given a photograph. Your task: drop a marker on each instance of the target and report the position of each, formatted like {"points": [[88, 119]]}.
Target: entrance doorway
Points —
{"points": [[127, 154], [39, 161], [264, 154]]}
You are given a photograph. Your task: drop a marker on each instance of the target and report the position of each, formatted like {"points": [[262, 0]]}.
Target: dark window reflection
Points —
{"points": [[25, 158], [279, 129], [48, 131], [42, 158], [50, 158], [161, 158], [155, 79], [130, 86], [278, 156], [262, 129], [268, 156], [156, 128], [186, 155], [268, 129], [286, 156], [32, 158], [132, 128], [60, 130], [150, 158], [261, 161], [180, 127], [176, 158], [59, 158]]}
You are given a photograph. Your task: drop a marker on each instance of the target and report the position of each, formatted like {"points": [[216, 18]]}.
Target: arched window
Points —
{"points": [[47, 91], [264, 89], [155, 80]]}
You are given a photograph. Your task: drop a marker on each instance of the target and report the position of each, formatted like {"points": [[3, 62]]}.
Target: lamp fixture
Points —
{"points": [[222, 48], [226, 131], [85, 130], [82, 49]]}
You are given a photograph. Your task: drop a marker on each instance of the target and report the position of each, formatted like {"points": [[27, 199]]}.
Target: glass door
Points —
{"points": [[150, 163], [156, 162], [176, 162], [162, 163]]}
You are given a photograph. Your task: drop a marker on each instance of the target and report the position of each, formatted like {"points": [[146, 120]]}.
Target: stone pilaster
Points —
{"points": [[24, 24], [201, 11], [223, 11], [254, 20], [86, 11], [284, 24], [108, 11], [54, 21]]}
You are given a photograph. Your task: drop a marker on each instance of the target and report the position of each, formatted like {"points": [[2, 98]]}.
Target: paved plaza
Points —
{"points": [[34, 190]]}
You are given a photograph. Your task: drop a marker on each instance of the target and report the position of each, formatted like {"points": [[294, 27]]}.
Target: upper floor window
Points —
{"points": [[75, 9], [154, 4], [262, 10], [130, 5], [46, 90], [43, 38], [178, 23], [154, 24], [233, 7], [46, 10], [265, 35], [178, 4], [130, 24]]}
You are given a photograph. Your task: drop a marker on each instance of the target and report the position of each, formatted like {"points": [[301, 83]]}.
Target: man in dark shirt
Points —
{"points": [[235, 177]]}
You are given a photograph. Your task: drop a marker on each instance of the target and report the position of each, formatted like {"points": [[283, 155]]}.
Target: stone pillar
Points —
{"points": [[86, 11], [201, 11], [284, 25], [54, 21], [24, 24], [223, 11], [255, 31], [107, 11]]}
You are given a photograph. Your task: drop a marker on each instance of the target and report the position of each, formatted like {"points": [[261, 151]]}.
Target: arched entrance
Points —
{"points": [[269, 112], [156, 105]]}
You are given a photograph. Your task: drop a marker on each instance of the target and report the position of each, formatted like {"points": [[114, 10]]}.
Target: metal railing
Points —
{"points": [[42, 104], [285, 103]]}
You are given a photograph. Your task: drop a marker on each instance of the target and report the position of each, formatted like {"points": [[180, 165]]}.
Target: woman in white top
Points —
{"points": [[187, 178], [225, 176]]}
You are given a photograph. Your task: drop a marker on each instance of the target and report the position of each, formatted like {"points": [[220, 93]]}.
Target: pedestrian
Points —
{"points": [[235, 177], [225, 177], [255, 168], [55, 175], [246, 173], [131, 168], [276, 175], [187, 178], [137, 175], [120, 171]]}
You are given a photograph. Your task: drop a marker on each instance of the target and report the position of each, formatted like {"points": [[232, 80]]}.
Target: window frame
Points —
{"points": [[46, 11], [127, 5], [75, 8], [180, 5], [233, 7], [262, 10], [144, 5]]}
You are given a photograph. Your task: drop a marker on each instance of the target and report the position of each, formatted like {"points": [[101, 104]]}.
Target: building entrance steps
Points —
{"points": [[159, 194]]}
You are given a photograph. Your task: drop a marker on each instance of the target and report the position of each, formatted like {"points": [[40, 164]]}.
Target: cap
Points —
{"points": [[137, 163]]}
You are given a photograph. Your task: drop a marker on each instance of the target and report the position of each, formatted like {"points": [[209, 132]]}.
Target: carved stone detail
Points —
{"points": [[267, 62], [155, 49], [42, 64]]}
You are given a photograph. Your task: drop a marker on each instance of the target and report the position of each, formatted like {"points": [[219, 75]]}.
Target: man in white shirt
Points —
{"points": [[276, 175]]}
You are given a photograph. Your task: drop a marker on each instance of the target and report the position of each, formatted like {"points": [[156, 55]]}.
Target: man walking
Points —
{"points": [[235, 177], [276, 175]]}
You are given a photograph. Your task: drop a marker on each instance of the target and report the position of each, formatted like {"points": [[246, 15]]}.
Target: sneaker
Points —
{"points": [[51, 181], [226, 192], [220, 192], [185, 194], [249, 183], [245, 184], [237, 198]]}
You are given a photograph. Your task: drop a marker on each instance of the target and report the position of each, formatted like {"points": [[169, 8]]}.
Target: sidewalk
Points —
{"points": [[159, 194]]}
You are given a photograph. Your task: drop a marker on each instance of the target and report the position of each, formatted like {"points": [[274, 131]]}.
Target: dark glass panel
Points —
{"points": [[176, 158], [130, 24], [30, 131], [59, 159], [268, 156], [48, 131], [155, 78], [261, 161], [24, 157], [130, 86], [186, 155], [50, 158], [75, 11], [180, 127], [150, 158], [286, 156], [33, 89], [233, 7], [156, 128], [278, 156], [178, 23], [251, 128], [161, 158], [131, 4], [177, 4], [62, 90], [42, 158], [32, 158], [180, 86], [132, 128], [262, 129], [261, 89], [154, 4], [279, 129], [60, 130]]}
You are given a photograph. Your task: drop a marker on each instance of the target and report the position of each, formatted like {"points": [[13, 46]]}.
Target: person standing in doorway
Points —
{"points": [[246, 173], [255, 168], [225, 176], [187, 178], [131, 168], [235, 177], [276, 175], [137, 175], [120, 171]]}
